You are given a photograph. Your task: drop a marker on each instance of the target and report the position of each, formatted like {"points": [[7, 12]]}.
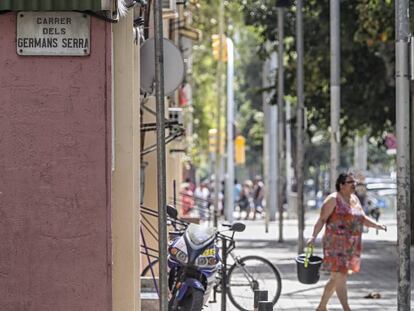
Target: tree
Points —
{"points": [[248, 66], [367, 87], [367, 74]]}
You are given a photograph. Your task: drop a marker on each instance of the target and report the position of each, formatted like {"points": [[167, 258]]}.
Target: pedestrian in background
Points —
{"points": [[258, 195], [191, 185], [245, 200], [237, 190], [201, 195], [187, 200], [343, 218]]}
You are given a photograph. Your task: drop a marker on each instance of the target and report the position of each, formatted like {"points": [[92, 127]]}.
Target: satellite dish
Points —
{"points": [[173, 67]]}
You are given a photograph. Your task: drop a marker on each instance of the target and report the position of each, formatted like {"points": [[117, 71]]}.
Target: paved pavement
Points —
{"points": [[378, 268]]}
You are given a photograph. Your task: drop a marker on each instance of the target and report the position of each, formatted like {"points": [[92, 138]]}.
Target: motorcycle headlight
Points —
{"points": [[202, 261], [180, 255], [212, 261]]}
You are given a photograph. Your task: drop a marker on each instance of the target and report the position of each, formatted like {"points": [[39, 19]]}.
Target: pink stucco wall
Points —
{"points": [[54, 177]]}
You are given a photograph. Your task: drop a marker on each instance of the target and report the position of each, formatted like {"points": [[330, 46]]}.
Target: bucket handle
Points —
{"points": [[308, 253]]}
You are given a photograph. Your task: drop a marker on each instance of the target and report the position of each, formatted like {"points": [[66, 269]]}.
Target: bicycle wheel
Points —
{"points": [[252, 273], [147, 269]]}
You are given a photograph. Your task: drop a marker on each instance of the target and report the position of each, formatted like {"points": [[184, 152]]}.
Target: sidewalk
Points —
{"points": [[378, 267]]}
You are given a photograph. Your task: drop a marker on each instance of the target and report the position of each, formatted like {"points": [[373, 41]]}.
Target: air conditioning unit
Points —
{"points": [[175, 114]]}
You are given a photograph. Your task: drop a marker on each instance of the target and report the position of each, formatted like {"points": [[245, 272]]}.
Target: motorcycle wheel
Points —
{"points": [[193, 301]]}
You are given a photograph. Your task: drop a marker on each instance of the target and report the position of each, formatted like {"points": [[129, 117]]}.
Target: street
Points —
{"points": [[113, 110], [378, 268]]}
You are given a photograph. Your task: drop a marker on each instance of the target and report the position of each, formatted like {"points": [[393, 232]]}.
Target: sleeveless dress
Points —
{"points": [[342, 238]]}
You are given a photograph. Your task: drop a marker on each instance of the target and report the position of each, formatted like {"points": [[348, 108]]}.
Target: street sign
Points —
{"points": [[53, 33]]}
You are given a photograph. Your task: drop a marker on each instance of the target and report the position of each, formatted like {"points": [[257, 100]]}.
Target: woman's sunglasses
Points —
{"points": [[351, 182]]}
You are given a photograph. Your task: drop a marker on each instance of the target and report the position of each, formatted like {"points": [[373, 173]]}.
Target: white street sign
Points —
{"points": [[53, 33]]}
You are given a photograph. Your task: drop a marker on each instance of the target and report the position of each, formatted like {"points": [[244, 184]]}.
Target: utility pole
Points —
{"points": [[270, 140], [402, 36], [335, 90], [300, 145], [280, 108], [230, 135], [219, 111], [288, 130], [266, 175], [161, 170]]}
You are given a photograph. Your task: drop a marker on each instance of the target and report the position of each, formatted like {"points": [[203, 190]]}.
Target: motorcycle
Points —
{"points": [[193, 262]]}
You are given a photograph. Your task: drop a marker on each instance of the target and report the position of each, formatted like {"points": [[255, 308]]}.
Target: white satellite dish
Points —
{"points": [[173, 67]]}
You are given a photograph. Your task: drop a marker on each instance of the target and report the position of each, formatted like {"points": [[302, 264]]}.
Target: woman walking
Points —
{"points": [[344, 218]]}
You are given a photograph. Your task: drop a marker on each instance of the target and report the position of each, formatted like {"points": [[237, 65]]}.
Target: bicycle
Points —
{"points": [[241, 278], [245, 275]]}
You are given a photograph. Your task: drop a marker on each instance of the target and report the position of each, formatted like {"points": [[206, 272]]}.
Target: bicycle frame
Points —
{"points": [[226, 251], [222, 276], [246, 273]]}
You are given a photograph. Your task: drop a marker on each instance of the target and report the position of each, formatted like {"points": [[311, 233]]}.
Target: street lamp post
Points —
{"points": [[300, 149], [230, 135], [281, 5], [280, 114], [217, 174], [335, 90], [270, 138], [402, 36], [161, 169]]}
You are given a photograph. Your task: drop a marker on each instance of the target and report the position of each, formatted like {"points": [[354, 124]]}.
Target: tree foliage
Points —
{"points": [[248, 65], [367, 66], [367, 49], [204, 71]]}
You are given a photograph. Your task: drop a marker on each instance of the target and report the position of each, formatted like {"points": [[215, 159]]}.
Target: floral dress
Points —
{"points": [[342, 238]]}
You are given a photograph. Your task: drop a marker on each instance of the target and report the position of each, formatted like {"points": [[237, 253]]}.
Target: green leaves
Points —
{"points": [[248, 67], [367, 49], [367, 65]]}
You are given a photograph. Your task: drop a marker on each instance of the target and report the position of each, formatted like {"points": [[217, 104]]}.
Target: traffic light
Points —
{"points": [[215, 43], [240, 150], [212, 141]]}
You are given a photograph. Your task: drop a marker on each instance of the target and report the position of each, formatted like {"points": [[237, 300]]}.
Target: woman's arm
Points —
{"points": [[326, 211], [369, 222]]}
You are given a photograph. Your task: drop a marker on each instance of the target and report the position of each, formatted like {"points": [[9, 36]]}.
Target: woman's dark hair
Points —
{"points": [[342, 180]]}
